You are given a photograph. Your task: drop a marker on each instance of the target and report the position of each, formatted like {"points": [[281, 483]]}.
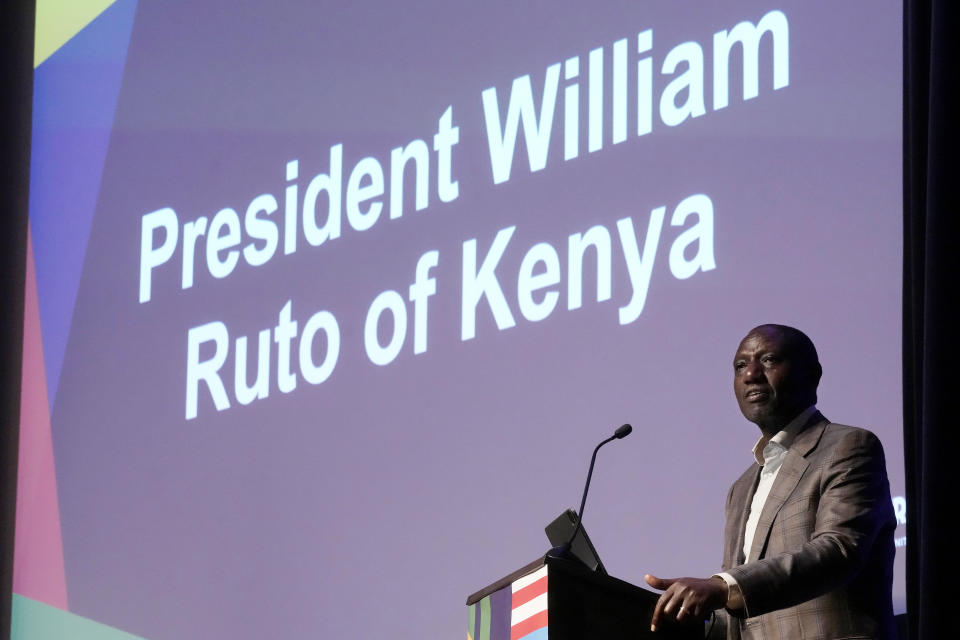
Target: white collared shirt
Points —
{"points": [[769, 454]]}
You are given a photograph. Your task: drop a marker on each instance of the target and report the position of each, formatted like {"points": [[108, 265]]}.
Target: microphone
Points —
{"points": [[563, 551], [622, 432]]}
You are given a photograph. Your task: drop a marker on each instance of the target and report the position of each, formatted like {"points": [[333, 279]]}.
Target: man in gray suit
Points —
{"points": [[808, 544]]}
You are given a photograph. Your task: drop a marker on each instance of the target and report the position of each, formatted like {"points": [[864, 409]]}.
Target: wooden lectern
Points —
{"points": [[558, 599]]}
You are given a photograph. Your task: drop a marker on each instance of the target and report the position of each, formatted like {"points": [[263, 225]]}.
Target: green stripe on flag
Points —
{"points": [[484, 631], [472, 621]]}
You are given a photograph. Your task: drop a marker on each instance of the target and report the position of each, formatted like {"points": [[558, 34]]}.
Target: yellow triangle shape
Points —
{"points": [[60, 20]]}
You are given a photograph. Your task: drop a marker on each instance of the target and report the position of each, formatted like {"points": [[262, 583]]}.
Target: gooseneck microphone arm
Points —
{"points": [[622, 432]]}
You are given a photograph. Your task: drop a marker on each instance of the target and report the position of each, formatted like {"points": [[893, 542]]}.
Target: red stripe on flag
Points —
{"points": [[529, 592], [531, 624]]}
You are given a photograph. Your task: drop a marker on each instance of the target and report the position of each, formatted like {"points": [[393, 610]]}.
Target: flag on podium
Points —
{"points": [[515, 612]]}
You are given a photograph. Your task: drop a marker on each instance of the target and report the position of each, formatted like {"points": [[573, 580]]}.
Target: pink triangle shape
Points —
{"points": [[38, 568]]}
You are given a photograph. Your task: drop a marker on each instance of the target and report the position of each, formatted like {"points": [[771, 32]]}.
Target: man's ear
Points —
{"points": [[816, 374]]}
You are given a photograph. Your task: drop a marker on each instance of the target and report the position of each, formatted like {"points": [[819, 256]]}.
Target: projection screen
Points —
{"points": [[329, 302]]}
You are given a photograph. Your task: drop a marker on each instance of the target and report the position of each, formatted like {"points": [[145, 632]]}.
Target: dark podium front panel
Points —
{"points": [[553, 599]]}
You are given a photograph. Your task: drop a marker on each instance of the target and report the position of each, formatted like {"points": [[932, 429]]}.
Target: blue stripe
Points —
{"points": [[539, 634]]}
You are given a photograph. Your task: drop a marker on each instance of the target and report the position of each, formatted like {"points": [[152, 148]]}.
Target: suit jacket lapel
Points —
{"points": [[737, 515], [793, 467]]}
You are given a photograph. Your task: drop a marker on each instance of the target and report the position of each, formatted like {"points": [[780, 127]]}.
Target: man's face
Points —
{"points": [[772, 385]]}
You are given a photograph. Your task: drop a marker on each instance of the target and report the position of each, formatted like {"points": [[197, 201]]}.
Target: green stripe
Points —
{"points": [[484, 619], [472, 620]]}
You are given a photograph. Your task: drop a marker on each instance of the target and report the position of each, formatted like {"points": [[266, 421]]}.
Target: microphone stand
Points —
{"points": [[564, 550]]}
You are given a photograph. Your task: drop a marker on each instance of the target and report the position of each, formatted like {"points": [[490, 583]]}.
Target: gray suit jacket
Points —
{"points": [[821, 562]]}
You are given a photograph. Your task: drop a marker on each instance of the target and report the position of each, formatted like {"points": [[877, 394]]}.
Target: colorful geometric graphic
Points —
{"points": [[74, 98], [57, 22], [80, 52], [38, 551], [32, 619]]}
